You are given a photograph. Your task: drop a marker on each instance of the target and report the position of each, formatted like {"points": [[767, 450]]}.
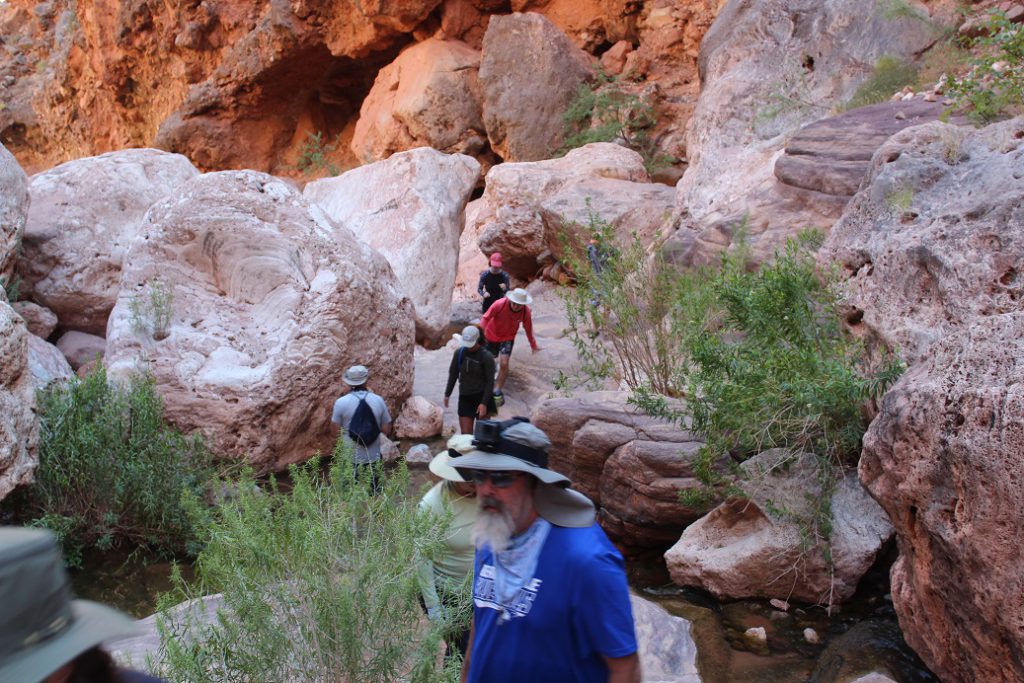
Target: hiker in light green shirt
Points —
{"points": [[442, 580]]}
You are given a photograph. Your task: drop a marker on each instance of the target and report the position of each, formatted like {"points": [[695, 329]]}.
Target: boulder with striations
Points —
{"points": [[83, 218], [529, 72], [409, 208], [265, 304], [769, 67], [632, 466], [527, 207], [19, 426]]}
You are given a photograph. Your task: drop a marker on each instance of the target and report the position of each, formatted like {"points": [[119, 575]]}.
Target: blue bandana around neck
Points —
{"points": [[514, 566]]}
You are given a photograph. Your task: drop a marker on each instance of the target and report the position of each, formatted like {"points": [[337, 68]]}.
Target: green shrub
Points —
{"points": [[313, 155], [995, 84], [151, 311], [605, 111], [319, 584], [111, 470], [890, 75]]}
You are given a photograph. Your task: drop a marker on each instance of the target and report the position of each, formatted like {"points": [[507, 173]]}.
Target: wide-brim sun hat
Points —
{"points": [[41, 627], [440, 464], [563, 507], [484, 460], [356, 376], [520, 296]]}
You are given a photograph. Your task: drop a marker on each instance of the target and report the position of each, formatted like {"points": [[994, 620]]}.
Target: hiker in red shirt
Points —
{"points": [[501, 323]]}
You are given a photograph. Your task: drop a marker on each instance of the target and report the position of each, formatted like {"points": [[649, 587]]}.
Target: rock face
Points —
{"points": [[768, 68], [19, 427], [81, 348], [14, 203], [926, 258], [46, 363], [938, 277], [745, 548], [41, 321], [529, 72], [466, 303], [266, 303], [666, 647], [83, 218], [409, 208], [632, 466], [429, 96], [527, 206]]}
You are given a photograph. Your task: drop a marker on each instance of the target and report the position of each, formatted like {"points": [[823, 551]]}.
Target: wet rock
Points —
{"points": [[757, 638], [269, 303], [429, 96], [84, 216], [666, 647], [925, 255], [768, 68], [409, 208], [811, 636], [632, 466], [14, 206], [419, 419], [747, 548], [41, 321], [80, 348], [19, 427], [526, 207], [46, 363], [529, 72], [871, 651]]}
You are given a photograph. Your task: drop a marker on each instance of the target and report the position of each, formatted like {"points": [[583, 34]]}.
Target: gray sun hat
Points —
{"points": [[457, 445], [41, 627], [520, 296], [356, 376], [470, 336], [518, 446]]}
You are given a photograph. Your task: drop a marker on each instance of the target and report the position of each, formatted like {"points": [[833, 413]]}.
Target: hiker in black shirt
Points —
{"points": [[494, 282], [473, 367]]}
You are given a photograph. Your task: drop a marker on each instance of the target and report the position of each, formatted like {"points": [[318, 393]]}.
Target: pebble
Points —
{"points": [[757, 635], [779, 604], [811, 636], [420, 453]]}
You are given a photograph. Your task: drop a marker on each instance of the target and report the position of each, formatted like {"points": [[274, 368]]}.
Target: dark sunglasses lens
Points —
{"points": [[499, 479]]}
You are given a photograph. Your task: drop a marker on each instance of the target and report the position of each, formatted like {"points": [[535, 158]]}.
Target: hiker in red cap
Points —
{"points": [[494, 282]]}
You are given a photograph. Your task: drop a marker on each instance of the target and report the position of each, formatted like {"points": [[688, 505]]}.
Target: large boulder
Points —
{"points": [[247, 304], [81, 348], [14, 203], [530, 72], [84, 216], [46, 363], [466, 302], [19, 427], [41, 320], [632, 466], [409, 208], [756, 546], [428, 97], [926, 253], [944, 458], [527, 207], [769, 67]]}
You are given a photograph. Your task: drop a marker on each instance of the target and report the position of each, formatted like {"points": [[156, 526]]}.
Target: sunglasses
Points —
{"points": [[501, 480]]}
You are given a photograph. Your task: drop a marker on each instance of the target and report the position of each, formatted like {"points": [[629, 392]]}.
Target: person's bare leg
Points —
{"points": [[466, 425], [499, 384]]}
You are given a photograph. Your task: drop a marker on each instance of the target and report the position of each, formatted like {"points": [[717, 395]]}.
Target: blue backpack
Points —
{"points": [[363, 428]]}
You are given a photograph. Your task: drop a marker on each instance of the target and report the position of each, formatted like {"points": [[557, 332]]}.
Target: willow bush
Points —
{"points": [[319, 583]]}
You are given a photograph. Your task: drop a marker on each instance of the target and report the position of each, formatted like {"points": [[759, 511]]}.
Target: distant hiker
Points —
{"points": [[494, 282], [362, 416], [473, 367], [442, 580], [500, 324], [45, 635]]}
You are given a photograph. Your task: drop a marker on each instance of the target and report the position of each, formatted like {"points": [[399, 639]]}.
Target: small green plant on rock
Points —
{"points": [[111, 470], [900, 198], [313, 155], [319, 584], [889, 75], [151, 311], [995, 84]]}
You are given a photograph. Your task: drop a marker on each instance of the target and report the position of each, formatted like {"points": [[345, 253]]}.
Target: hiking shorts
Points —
{"points": [[503, 348], [468, 404]]}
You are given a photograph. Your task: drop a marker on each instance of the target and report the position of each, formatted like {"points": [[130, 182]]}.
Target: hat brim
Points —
{"points": [[563, 506], [352, 382], [93, 623], [466, 343], [481, 460], [440, 467]]}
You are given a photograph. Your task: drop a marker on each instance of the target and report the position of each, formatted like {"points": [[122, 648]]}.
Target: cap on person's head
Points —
{"points": [[495, 259], [41, 627], [520, 296], [519, 446], [470, 336], [457, 445], [356, 376]]}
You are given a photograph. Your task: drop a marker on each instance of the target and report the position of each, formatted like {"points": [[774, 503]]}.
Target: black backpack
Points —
{"points": [[363, 428]]}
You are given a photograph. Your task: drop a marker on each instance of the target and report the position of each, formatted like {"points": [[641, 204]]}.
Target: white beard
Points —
{"points": [[493, 529]]}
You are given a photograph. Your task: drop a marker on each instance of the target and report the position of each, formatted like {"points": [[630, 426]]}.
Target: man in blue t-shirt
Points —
{"points": [[550, 599]]}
